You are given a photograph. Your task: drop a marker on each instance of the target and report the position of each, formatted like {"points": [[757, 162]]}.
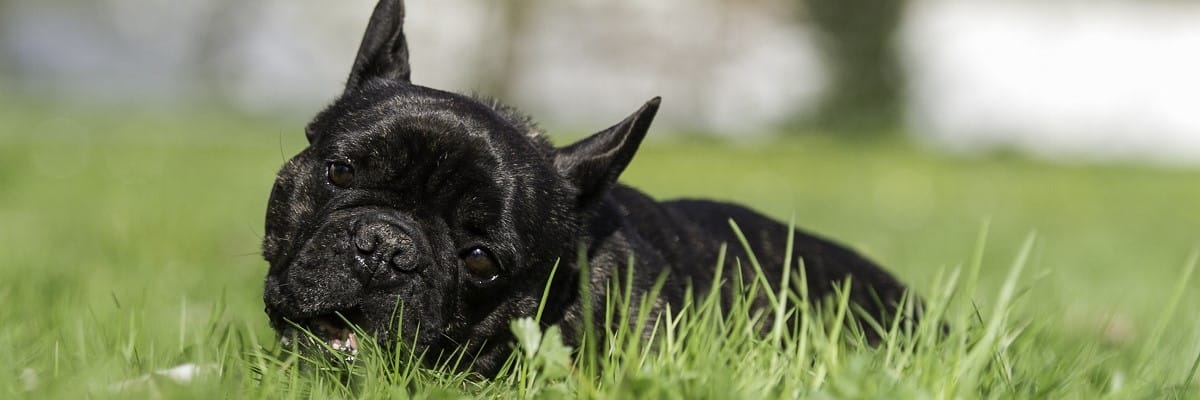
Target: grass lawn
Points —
{"points": [[130, 245]]}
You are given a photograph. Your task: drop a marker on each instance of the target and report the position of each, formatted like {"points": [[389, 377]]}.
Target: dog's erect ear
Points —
{"points": [[594, 163], [383, 52]]}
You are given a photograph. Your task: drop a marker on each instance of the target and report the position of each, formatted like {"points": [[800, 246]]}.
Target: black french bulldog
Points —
{"points": [[441, 216]]}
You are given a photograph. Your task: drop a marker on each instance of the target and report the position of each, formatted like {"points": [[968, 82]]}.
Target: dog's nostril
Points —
{"points": [[366, 242], [403, 260], [381, 244]]}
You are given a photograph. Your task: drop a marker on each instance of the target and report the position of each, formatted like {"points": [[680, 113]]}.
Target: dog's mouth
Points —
{"points": [[336, 333], [333, 333]]}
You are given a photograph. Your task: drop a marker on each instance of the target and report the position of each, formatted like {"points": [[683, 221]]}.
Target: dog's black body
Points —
{"points": [[441, 217]]}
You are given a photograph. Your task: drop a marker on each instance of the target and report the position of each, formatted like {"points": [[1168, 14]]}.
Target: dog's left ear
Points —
{"points": [[383, 52], [594, 163]]}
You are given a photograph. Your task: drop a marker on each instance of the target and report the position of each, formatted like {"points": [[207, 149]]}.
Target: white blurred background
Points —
{"points": [[1064, 80]]}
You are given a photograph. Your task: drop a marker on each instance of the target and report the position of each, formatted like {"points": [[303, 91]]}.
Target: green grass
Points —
{"points": [[130, 245]]}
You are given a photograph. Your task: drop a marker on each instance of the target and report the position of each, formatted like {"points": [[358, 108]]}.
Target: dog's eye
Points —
{"points": [[481, 264], [340, 174]]}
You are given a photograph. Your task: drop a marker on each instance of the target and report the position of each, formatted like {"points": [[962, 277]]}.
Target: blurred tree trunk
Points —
{"points": [[866, 86], [6, 68], [500, 59], [224, 22]]}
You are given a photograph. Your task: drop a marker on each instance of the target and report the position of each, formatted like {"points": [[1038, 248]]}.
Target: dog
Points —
{"points": [[433, 219]]}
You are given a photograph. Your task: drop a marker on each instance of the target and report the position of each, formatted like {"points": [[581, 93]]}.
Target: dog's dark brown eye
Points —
{"points": [[340, 174], [479, 262]]}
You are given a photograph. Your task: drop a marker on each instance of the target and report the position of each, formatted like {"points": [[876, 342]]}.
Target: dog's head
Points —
{"points": [[426, 217]]}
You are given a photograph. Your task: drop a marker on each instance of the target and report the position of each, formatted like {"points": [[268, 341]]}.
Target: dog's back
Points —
{"points": [[688, 235]]}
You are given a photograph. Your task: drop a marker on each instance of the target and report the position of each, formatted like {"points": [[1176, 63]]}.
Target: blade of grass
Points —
{"points": [[760, 277], [977, 358], [546, 292], [587, 342], [1164, 320], [781, 307], [1187, 384]]}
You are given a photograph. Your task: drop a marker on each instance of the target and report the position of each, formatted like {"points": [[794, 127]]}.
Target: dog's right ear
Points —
{"points": [[593, 164], [383, 53]]}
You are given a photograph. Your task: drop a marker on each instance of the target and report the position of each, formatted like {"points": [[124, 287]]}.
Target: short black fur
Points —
{"points": [[427, 177]]}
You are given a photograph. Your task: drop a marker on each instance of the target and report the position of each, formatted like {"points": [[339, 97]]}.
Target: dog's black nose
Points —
{"points": [[384, 242]]}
